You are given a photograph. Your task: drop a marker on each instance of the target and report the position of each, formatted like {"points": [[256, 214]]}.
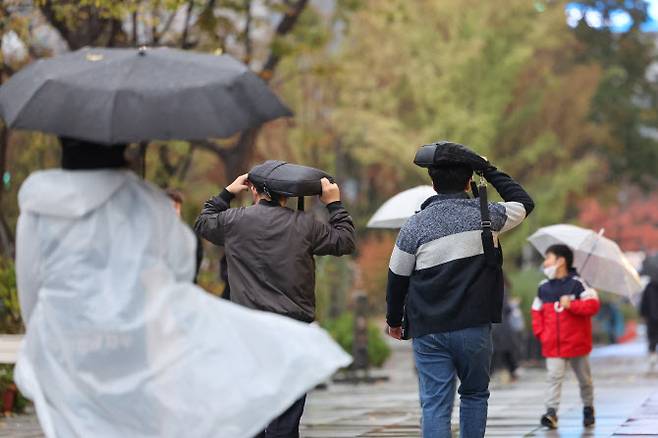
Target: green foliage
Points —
{"points": [[342, 330], [625, 101], [507, 81], [333, 281], [560, 109], [10, 312], [6, 376]]}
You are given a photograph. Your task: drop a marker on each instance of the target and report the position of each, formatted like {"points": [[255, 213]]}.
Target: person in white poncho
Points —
{"points": [[119, 342]]}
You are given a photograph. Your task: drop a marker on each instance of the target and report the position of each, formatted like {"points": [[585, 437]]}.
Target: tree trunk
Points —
{"points": [[237, 158], [6, 236], [94, 30]]}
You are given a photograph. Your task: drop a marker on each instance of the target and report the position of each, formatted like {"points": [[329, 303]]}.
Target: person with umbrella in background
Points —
{"points": [[119, 342], [562, 320], [649, 308], [577, 260]]}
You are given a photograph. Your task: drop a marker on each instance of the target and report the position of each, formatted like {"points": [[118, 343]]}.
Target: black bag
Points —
{"points": [[279, 178], [446, 152]]}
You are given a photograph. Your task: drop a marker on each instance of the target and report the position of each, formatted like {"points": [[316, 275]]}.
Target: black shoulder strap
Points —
{"points": [[487, 236]]}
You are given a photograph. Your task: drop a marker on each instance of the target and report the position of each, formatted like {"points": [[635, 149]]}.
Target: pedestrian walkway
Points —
{"points": [[626, 403], [390, 409]]}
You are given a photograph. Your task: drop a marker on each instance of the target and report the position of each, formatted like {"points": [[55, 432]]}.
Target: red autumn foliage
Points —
{"points": [[374, 254], [633, 224]]}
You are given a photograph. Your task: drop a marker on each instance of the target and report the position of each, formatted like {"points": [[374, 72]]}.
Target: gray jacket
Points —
{"points": [[269, 251]]}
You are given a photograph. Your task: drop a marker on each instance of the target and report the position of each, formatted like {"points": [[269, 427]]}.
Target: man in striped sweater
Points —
{"points": [[441, 290]]}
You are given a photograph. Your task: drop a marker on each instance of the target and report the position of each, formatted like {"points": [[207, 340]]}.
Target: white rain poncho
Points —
{"points": [[120, 343]]}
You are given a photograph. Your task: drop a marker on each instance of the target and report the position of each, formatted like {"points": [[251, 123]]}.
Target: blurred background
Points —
{"points": [[560, 95]]}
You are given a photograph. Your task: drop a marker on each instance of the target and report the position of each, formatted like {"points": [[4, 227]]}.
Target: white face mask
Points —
{"points": [[550, 272]]}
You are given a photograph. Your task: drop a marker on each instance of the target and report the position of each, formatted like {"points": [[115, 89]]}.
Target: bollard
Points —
{"points": [[359, 371], [360, 344]]}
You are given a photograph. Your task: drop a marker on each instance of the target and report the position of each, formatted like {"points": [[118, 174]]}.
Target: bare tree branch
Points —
{"points": [[285, 27], [248, 49], [134, 23], [155, 36], [211, 146], [6, 237], [77, 32], [168, 23], [186, 26], [186, 163], [165, 159]]}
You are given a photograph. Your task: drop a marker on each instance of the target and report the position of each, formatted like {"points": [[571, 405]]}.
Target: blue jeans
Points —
{"points": [[441, 358]]}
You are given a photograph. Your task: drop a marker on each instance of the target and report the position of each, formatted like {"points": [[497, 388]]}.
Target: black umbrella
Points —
{"points": [[130, 95]]}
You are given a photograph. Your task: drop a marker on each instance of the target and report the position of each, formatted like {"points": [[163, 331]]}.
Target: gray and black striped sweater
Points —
{"points": [[437, 276]]}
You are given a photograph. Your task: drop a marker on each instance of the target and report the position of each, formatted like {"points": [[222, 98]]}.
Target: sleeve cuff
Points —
{"points": [[226, 196], [335, 206], [490, 170]]}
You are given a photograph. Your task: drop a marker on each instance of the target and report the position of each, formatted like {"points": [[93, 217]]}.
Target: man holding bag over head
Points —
{"points": [[269, 248], [445, 284]]}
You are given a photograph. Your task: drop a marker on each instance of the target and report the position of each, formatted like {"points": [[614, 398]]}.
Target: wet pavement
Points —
{"points": [[626, 400], [390, 409]]}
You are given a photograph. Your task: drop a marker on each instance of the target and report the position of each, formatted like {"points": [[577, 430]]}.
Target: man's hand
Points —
{"points": [[330, 192], [394, 332], [239, 185], [565, 301]]}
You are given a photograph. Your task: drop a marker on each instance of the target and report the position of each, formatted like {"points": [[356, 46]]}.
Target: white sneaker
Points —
{"points": [[653, 360]]}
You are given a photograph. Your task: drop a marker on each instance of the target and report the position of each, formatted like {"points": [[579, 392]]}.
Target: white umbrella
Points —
{"points": [[395, 212], [599, 260]]}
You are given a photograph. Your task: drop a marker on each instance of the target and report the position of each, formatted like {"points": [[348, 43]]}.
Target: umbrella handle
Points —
{"points": [[591, 251]]}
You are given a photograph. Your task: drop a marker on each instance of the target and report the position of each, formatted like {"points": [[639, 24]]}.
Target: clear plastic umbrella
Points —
{"points": [[395, 212], [599, 260]]}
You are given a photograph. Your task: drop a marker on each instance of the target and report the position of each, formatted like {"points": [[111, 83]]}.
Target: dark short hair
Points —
{"points": [[80, 154], [563, 251], [175, 195], [450, 178]]}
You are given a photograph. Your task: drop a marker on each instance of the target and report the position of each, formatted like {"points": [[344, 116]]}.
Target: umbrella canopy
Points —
{"points": [[131, 95], [598, 259], [395, 212]]}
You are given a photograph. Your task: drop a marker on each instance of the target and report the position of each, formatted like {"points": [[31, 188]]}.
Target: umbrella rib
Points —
{"points": [[114, 99]]}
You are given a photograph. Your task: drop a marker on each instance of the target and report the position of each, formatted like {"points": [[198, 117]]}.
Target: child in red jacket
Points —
{"points": [[562, 320]]}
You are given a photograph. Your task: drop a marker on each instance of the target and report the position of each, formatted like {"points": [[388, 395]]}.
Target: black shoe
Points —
{"points": [[549, 419], [588, 416]]}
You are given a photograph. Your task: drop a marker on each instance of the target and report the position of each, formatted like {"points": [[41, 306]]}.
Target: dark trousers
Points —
{"points": [[286, 425], [652, 329], [507, 359]]}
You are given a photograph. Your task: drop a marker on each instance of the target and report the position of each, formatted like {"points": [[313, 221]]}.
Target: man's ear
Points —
{"points": [[468, 184]]}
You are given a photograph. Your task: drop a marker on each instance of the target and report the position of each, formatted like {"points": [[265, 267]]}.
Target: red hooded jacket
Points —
{"points": [[564, 332]]}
